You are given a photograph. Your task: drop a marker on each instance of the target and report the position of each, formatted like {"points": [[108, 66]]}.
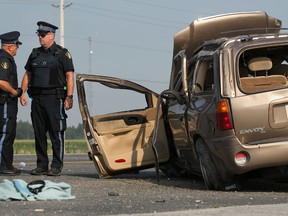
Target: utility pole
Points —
{"points": [[62, 6], [90, 72], [90, 53]]}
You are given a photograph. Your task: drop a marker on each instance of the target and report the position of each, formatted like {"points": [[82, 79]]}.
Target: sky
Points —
{"points": [[128, 39]]}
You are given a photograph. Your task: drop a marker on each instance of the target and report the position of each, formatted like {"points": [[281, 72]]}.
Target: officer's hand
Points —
{"points": [[23, 100], [68, 103]]}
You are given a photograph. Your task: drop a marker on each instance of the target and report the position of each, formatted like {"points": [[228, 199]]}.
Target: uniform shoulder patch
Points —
{"points": [[68, 55], [5, 65]]}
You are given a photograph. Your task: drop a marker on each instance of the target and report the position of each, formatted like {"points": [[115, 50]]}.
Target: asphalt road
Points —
{"points": [[140, 194]]}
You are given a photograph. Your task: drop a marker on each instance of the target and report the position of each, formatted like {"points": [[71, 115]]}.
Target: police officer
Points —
{"points": [[9, 93], [49, 80]]}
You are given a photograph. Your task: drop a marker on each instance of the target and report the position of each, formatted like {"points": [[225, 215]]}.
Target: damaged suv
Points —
{"points": [[224, 116]]}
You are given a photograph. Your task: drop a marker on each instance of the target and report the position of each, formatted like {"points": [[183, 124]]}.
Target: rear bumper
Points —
{"points": [[259, 156]]}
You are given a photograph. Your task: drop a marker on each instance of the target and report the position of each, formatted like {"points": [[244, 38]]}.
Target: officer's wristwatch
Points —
{"points": [[70, 96]]}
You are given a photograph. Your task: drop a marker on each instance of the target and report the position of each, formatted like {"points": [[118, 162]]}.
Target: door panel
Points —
{"points": [[176, 117], [127, 146]]}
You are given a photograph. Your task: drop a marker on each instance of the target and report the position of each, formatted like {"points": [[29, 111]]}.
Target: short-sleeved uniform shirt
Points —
{"points": [[8, 69], [48, 66]]}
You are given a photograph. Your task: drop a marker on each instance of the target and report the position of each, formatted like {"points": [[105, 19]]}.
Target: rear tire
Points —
{"points": [[211, 176]]}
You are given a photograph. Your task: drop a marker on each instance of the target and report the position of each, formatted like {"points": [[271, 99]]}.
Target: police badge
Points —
{"points": [[4, 65]]}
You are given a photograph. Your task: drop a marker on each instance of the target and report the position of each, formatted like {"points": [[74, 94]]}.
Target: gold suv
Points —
{"points": [[223, 117]]}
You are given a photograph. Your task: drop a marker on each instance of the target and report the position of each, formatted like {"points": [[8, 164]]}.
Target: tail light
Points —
{"points": [[224, 121]]}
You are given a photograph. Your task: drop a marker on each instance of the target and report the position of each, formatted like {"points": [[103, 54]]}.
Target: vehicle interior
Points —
{"points": [[266, 70]]}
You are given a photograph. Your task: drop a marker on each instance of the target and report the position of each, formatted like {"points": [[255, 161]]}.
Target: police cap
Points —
{"points": [[10, 38], [44, 27]]}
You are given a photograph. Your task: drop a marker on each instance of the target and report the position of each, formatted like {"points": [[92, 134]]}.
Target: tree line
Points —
{"points": [[24, 130]]}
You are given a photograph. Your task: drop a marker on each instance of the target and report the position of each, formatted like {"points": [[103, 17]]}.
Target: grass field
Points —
{"points": [[71, 146]]}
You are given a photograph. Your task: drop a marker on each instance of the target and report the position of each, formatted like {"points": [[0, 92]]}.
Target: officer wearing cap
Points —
{"points": [[49, 81], [9, 93]]}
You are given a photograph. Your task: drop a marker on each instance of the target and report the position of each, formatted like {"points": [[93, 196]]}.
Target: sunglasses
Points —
{"points": [[42, 34]]}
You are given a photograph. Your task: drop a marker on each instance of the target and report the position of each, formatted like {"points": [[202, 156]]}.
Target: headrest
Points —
{"points": [[260, 64]]}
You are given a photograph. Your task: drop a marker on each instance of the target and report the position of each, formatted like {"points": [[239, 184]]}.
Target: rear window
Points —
{"points": [[263, 69]]}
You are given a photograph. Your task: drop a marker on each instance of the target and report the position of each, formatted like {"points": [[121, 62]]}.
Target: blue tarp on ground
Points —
{"points": [[17, 190]]}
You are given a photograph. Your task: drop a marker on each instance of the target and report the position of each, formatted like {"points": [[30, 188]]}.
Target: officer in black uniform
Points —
{"points": [[49, 78], [9, 93]]}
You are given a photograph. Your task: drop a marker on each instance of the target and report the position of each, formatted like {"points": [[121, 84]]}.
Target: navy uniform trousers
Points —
{"points": [[8, 117], [48, 115]]}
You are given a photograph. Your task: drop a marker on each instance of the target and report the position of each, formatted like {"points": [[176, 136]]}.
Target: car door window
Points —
{"points": [[204, 77], [178, 76], [102, 100], [190, 74]]}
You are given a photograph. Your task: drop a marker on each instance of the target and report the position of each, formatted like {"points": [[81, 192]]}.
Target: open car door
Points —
{"points": [[120, 141]]}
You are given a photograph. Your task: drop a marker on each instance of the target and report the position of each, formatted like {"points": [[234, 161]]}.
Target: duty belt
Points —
{"points": [[47, 91]]}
